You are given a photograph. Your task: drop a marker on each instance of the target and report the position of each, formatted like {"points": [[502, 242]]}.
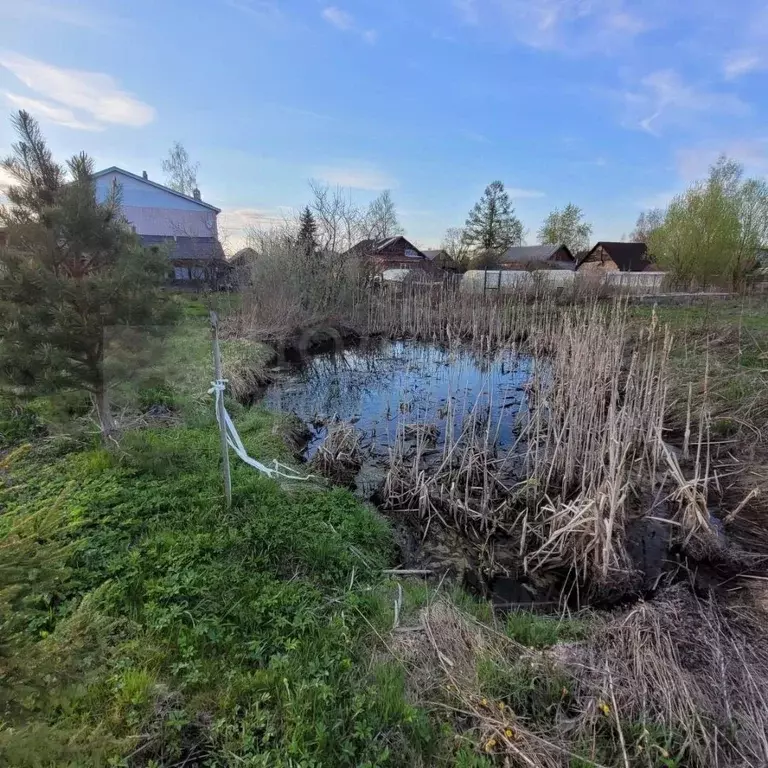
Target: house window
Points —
{"points": [[180, 273]]}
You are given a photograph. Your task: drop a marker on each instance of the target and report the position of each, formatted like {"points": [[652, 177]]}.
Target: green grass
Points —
{"points": [[157, 620], [539, 631]]}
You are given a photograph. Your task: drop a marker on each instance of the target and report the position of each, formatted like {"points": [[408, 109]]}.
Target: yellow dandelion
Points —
{"points": [[501, 706], [490, 744], [484, 702], [509, 733], [604, 708]]}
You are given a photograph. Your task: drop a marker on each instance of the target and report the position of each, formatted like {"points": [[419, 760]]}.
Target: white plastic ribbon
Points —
{"points": [[236, 444]]}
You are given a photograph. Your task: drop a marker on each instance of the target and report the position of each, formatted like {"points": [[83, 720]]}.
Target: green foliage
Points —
{"points": [[492, 226], [158, 620], [566, 227], [711, 233], [74, 279], [537, 631]]}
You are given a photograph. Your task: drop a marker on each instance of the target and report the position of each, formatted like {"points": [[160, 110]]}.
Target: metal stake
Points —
{"points": [[220, 411]]}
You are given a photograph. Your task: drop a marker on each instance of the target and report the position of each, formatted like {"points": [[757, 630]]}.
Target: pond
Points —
{"points": [[405, 382]]}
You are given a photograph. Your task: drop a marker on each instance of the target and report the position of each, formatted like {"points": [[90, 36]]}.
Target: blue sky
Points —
{"points": [[612, 104]]}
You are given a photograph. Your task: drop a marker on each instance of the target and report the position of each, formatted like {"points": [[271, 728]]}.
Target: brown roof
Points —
{"points": [[628, 257]]}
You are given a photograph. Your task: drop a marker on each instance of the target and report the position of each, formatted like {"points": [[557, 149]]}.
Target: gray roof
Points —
{"points": [[433, 254], [524, 254]]}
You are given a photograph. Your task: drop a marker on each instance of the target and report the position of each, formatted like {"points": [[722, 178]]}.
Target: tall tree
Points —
{"points": [[492, 226], [73, 277], [307, 232], [647, 223], [381, 217], [567, 227], [180, 172]]}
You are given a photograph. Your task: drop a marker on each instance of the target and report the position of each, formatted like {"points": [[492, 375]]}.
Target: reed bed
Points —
{"points": [[340, 455]]}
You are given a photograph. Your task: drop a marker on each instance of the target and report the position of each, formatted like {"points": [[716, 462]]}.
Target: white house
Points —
{"points": [[162, 216]]}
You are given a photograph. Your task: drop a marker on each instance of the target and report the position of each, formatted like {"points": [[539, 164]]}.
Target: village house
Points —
{"points": [[160, 216], [617, 257], [392, 253], [442, 260], [532, 257]]}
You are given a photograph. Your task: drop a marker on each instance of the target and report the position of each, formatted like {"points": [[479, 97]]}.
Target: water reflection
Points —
{"points": [[405, 382]]}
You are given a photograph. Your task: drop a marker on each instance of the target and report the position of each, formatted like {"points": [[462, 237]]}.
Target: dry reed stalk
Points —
{"points": [[339, 456], [694, 668], [595, 410]]}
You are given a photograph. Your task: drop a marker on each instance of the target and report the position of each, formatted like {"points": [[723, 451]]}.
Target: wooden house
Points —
{"points": [[617, 257], [392, 253]]}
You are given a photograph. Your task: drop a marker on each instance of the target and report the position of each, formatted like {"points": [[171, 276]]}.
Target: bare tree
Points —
{"points": [[455, 245], [647, 223], [340, 223], [381, 219], [180, 172]]}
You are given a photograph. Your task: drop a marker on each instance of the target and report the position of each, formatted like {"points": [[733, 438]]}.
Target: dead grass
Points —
{"points": [[339, 456]]}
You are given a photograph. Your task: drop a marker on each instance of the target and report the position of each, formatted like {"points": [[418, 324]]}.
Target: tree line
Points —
{"points": [[709, 234]]}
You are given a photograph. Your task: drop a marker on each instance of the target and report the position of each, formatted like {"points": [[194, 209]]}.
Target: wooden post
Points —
{"points": [[220, 411]]}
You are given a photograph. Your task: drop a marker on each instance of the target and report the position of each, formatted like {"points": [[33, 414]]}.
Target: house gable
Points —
{"points": [[611, 257]]}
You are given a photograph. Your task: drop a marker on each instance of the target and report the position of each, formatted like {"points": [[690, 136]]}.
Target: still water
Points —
{"points": [[404, 382]]}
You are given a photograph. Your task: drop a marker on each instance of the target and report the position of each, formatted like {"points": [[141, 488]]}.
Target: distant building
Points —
{"points": [[161, 216], [533, 257], [392, 253], [442, 260], [617, 257]]}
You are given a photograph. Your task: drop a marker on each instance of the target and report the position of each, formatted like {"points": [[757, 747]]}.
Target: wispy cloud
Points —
{"points": [[44, 110], [742, 63], [345, 22], [356, 176], [568, 26], [76, 99], [664, 98]]}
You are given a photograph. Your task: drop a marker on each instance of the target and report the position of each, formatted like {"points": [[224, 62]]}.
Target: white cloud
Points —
{"points": [[346, 23], [51, 112], [340, 19], [360, 176], [741, 63], [517, 193], [97, 96], [663, 98]]}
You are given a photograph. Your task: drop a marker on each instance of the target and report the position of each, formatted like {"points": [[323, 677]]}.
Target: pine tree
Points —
{"points": [[492, 226], [307, 232], [73, 278]]}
